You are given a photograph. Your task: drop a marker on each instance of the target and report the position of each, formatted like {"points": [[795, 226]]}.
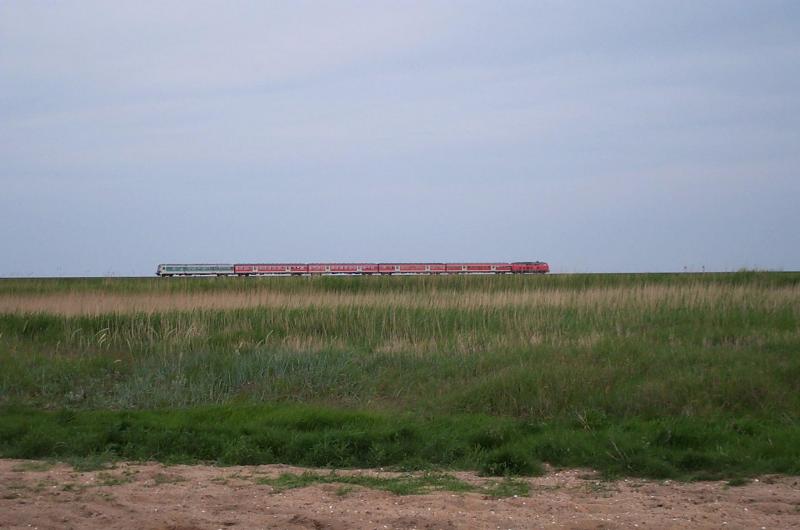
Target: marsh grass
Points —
{"points": [[732, 351], [483, 293], [587, 353], [384, 284]]}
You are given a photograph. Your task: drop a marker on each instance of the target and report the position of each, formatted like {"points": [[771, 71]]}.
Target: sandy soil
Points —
{"points": [[152, 496]]}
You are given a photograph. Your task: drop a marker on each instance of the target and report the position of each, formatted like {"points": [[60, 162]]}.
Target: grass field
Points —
{"points": [[668, 375]]}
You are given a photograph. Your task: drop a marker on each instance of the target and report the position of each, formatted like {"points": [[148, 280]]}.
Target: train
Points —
{"points": [[352, 269]]}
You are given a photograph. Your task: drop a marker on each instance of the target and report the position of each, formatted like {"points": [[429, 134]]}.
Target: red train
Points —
{"points": [[299, 269], [528, 267]]}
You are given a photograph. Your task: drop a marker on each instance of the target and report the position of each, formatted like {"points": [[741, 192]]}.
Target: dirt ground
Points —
{"points": [[152, 496]]}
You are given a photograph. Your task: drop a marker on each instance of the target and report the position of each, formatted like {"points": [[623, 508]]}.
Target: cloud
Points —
{"points": [[613, 136]]}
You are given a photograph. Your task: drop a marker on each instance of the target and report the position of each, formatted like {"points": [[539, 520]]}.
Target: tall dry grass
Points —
{"points": [[643, 297]]}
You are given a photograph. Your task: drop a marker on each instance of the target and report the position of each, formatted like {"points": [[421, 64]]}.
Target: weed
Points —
{"points": [[91, 461], [110, 479], [508, 487], [343, 491], [402, 485], [511, 461], [34, 465], [165, 478]]}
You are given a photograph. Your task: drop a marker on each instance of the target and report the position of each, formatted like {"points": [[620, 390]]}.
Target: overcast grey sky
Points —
{"points": [[598, 136]]}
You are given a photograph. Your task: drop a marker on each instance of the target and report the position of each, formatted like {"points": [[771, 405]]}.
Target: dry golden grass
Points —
{"points": [[645, 297]]}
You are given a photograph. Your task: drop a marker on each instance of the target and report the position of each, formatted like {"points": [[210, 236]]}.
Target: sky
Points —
{"points": [[602, 136]]}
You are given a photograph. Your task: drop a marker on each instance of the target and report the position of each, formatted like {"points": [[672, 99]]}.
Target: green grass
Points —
{"points": [[402, 485], [410, 484], [508, 487], [106, 478], [322, 437], [675, 375], [38, 466]]}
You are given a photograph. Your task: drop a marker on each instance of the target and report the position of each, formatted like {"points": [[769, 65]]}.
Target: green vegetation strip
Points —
{"points": [[670, 447], [400, 485]]}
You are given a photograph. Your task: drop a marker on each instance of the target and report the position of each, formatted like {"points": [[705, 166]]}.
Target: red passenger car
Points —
{"points": [[411, 268], [462, 268], [343, 268]]}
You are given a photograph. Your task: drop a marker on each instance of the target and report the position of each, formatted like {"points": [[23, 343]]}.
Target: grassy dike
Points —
{"points": [[687, 376]]}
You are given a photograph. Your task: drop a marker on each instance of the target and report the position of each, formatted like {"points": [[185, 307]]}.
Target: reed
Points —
{"points": [[581, 351]]}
